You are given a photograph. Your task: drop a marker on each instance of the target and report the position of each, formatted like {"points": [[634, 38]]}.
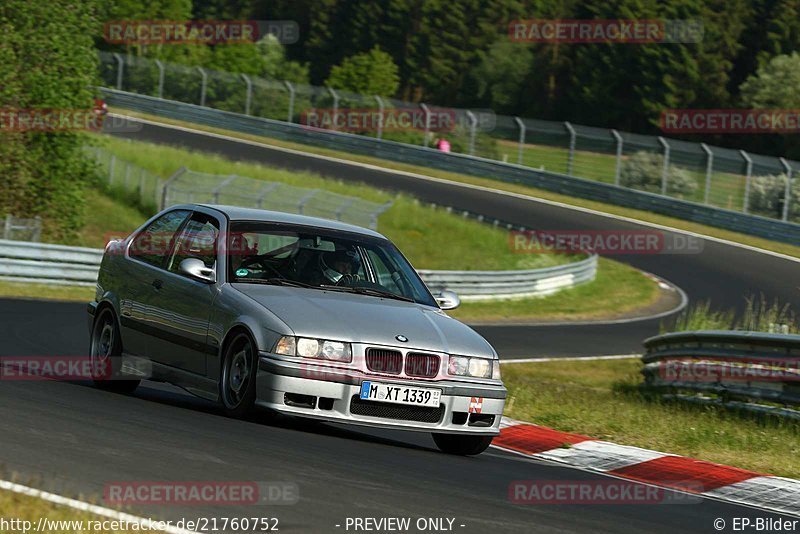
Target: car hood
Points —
{"points": [[367, 319]]}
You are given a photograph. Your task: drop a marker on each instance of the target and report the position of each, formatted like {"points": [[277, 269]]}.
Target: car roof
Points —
{"points": [[238, 213]]}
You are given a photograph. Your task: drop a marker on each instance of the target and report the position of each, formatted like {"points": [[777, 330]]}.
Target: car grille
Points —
{"points": [[384, 361], [422, 365], [421, 414]]}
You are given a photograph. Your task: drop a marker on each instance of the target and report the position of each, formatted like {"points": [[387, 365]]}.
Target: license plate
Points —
{"points": [[396, 394]]}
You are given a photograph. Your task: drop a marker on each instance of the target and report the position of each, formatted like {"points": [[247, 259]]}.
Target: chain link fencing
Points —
{"points": [[713, 176]]}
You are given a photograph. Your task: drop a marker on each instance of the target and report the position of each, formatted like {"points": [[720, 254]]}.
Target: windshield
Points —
{"points": [[296, 255]]}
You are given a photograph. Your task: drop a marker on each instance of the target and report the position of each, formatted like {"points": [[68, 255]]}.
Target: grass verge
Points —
{"points": [[640, 215], [22, 513], [618, 287], [601, 399]]}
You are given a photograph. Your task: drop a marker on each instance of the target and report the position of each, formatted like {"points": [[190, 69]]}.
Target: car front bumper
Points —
{"points": [[332, 393]]}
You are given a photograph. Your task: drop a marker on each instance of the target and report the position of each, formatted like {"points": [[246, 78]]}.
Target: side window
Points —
{"points": [[154, 242], [197, 240]]}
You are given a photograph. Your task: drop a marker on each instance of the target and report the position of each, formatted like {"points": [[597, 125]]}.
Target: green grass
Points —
{"points": [[619, 287], [430, 238], [724, 200], [601, 399]]}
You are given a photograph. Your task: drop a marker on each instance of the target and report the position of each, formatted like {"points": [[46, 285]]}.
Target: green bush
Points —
{"points": [[644, 171], [767, 197]]}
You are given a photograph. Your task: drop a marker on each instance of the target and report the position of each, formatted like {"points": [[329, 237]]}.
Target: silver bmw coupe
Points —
{"points": [[304, 316]]}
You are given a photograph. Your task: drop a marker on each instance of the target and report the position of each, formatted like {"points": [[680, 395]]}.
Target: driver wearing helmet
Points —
{"points": [[339, 264]]}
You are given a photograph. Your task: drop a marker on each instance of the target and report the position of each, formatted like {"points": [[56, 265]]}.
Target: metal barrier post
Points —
{"points": [[290, 87], [665, 169], [160, 66], [618, 166], [571, 154], [335, 96], [120, 68], [521, 139], [303, 201], [746, 202], [473, 125], [267, 188], [346, 204], [709, 170], [111, 161], [787, 192], [427, 130], [379, 100], [224, 182], [203, 86], [165, 187], [249, 97], [7, 227]]}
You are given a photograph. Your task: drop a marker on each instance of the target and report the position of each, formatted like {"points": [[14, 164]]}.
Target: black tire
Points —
{"points": [[463, 445], [105, 350], [237, 384]]}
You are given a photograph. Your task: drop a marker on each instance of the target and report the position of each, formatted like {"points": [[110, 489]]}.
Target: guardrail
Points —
{"points": [[492, 285], [60, 264], [460, 163], [732, 369]]}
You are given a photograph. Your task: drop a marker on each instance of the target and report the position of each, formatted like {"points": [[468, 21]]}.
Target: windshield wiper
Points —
{"points": [[275, 282], [368, 291]]}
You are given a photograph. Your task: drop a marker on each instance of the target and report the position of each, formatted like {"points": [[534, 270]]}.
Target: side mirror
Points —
{"points": [[448, 300], [194, 268]]}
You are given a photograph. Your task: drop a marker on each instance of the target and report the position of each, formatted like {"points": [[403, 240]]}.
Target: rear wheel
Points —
{"points": [[105, 350], [461, 444], [238, 382]]}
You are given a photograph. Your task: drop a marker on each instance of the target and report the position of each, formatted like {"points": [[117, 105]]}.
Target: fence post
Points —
{"points": [[37, 230], [267, 188], [427, 113], [749, 171], [160, 66], [127, 176], [111, 161], [165, 187], [709, 170], [473, 124], [303, 201], [521, 139], [346, 204], [120, 68], [665, 169], [618, 166], [335, 97], [787, 193], [141, 184], [249, 97], [203, 85], [290, 87], [217, 189], [379, 100], [571, 154], [7, 227]]}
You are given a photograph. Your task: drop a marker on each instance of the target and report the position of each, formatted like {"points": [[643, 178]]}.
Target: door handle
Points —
{"points": [[157, 283]]}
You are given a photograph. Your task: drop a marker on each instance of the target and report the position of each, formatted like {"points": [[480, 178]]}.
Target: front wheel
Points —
{"points": [[238, 382], [105, 350], [463, 445]]}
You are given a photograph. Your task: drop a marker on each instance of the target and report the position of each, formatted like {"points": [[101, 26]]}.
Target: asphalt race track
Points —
{"points": [[721, 273], [79, 439]]}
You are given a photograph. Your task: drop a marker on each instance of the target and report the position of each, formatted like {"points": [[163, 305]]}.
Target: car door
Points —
{"points": [[145, 257], [180, 306]]}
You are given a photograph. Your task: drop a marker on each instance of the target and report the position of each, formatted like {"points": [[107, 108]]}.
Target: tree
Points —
{"points": [[370, 73], [47, 60]]}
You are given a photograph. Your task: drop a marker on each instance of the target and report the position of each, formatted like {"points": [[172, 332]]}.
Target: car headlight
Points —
{"points": [[321, 349], [474, 367]]}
